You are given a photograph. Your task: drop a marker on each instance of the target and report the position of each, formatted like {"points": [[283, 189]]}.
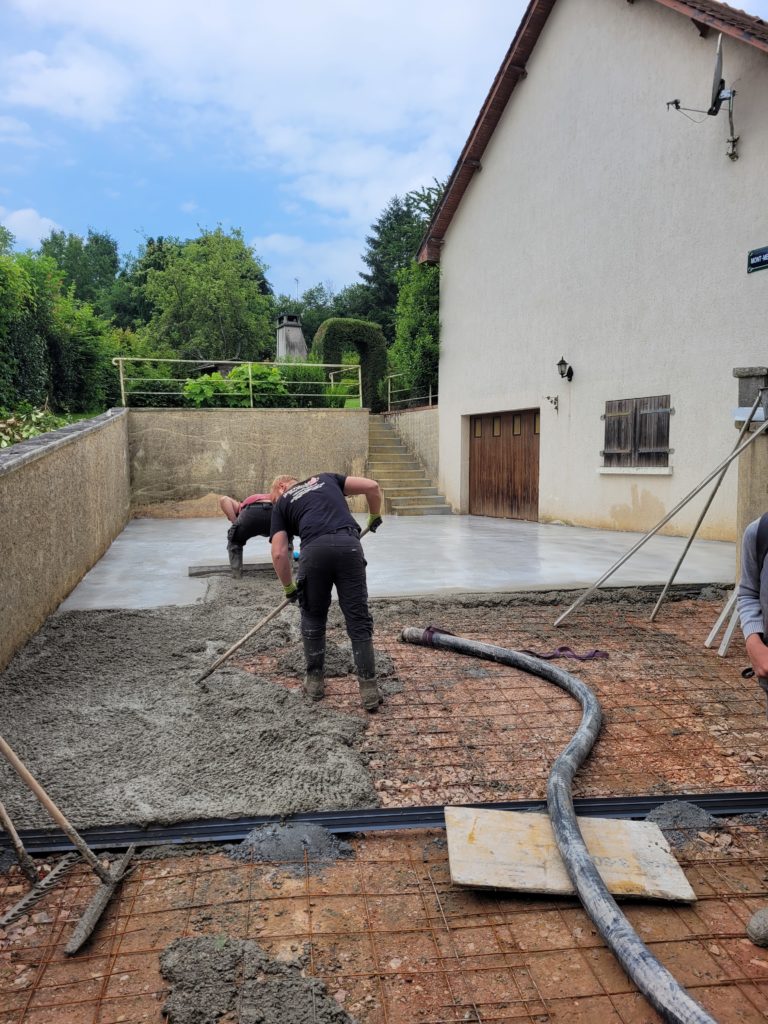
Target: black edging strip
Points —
{"points": [[372, 819]]}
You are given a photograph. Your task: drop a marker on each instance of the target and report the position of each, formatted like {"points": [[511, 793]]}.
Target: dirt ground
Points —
{"points": [[381, 936]]}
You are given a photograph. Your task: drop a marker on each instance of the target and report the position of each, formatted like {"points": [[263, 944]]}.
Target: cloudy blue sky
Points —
{"points": [[293, 121]]}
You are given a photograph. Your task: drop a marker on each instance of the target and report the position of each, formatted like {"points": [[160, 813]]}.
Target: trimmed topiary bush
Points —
{"points": [[338, 335]]}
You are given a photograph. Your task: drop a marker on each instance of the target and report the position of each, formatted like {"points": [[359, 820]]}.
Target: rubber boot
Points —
{"points": [[314, 656], [365, 665], [235, 552]]}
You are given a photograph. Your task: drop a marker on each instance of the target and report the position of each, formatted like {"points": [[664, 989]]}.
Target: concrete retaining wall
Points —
{"points": [[184, 454], [64, 497], [419, 430]]}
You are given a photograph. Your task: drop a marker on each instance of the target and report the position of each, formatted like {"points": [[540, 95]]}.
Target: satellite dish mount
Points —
{"points": [[718, 96]]}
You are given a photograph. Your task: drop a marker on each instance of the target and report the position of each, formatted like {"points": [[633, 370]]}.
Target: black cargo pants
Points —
{"points": [[334, 559], [252, 521]]}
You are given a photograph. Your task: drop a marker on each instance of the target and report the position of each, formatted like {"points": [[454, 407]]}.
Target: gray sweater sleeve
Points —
{"points": [[748, 598]]}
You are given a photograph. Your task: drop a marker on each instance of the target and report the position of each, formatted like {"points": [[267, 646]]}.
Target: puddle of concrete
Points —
{"points": [[217, 976]]}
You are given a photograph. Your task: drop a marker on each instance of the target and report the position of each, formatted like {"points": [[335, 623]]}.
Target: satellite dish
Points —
{"points": [[718, 82]]}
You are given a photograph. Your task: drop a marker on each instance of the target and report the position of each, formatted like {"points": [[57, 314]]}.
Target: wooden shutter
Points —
{"points": [[637, 431]]}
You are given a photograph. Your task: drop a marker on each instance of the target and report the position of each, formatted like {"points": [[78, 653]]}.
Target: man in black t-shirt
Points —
{"points": [[331, 554]]}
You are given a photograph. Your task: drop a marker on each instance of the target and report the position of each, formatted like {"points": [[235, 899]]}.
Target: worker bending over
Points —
{"points": [[315, 510], [250, 518]]}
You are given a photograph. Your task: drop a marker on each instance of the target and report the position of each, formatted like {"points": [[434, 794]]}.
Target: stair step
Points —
{"points": [[423, 510], [409, 491], [415, 499]]}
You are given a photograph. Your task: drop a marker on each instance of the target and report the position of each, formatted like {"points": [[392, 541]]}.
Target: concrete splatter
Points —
{"points": [[214, 976]]}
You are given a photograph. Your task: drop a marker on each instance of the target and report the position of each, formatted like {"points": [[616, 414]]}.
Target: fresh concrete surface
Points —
{"points": [[147, 565]]}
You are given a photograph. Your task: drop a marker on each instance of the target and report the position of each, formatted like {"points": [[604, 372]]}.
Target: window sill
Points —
{"points": [[635, 470]]}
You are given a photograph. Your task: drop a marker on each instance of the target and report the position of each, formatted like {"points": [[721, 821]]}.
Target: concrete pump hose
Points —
{"points": [[659, 987]]}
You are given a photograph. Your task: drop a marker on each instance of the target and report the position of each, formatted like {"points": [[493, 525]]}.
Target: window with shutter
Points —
{"points": [[637, 432]]}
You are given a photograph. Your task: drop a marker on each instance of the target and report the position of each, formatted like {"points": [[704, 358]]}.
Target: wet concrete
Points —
{"points": [[680, 821], [287, 843], [104, 708], [211, 978], [147, 565]]}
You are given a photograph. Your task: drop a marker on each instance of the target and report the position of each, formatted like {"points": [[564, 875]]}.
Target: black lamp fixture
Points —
{"points": [[565, 369]]}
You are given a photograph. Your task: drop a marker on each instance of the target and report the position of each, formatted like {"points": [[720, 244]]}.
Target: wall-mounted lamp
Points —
{"points": [[565, 369]]}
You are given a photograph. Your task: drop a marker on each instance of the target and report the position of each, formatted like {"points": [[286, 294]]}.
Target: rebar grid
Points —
{"points": [[391, 932]]}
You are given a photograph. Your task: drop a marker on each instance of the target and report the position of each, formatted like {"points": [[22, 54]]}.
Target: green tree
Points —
{"points": [[127, 302], [417, 328], [89, 264], [391, 246], [208, 300], [7, 240]]}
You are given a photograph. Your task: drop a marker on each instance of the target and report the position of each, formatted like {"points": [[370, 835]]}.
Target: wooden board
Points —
{"points": [[516, 850], [249, 568]]}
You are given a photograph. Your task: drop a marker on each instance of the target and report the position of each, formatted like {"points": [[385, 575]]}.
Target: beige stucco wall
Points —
{"points": [[607, 229], [181, 454], [64, 497], [420, 431]]}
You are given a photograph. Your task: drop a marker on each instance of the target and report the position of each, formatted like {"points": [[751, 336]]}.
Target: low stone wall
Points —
{"points": [[419, 430], [64, 497], [182, 455]]}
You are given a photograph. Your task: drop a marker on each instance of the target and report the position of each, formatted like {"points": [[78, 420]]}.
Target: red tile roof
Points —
{"points": [[704, 13]]}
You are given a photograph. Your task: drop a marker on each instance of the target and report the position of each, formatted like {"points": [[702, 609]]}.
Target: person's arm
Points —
{"points": [[369, 488], [281, 558], [748, 601]]}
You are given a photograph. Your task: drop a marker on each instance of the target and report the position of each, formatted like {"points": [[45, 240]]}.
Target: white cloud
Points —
{"points": [[27, 225], [290, 256], [75, 80], [348, 102], [16, 133], [188, 207]]}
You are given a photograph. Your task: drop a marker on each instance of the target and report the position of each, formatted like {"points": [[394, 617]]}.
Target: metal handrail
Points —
{"points": [[428, 398], [352, 370]]}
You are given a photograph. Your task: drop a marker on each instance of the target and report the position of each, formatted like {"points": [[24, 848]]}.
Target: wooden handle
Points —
{"points": [[77, 840]]}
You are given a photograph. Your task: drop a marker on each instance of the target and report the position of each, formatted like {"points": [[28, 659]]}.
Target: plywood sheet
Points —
{"points": [[516, 850]]}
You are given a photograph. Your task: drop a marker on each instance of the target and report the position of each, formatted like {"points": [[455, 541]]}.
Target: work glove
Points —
{"points": [[292, 591], [374, 521]]}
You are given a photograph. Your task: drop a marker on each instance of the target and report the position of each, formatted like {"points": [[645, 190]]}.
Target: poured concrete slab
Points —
{"points": [[148, 564], [516, 850]]}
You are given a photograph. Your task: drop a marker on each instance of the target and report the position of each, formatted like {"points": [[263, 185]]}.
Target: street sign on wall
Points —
{"points": [[757, 259]]}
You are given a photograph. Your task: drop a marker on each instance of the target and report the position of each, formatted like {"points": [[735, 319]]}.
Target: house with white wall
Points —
{"points": [[590, 220]]}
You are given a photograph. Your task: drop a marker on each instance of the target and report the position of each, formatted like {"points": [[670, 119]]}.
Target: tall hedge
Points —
{"points": [[338, 335]]}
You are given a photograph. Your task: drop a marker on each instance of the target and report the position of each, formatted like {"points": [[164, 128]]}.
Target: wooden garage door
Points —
{"points": [[504, 465]]}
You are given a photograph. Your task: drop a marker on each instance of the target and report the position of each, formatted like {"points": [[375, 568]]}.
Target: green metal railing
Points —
{"points": [[339, 383]]}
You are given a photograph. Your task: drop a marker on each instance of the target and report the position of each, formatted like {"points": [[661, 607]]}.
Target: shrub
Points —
{"points": [[337, 335]]}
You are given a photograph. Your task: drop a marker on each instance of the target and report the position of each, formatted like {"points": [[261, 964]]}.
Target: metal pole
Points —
{"points": [[250, 382], [635, 547], [389, 394], [710, 499], [122, 381], [360, 383]]}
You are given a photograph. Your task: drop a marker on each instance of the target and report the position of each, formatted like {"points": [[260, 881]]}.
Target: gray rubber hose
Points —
{"points": [[659, 987]]}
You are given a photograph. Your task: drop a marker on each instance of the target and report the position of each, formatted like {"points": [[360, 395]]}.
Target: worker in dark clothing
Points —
{"points": [[250, 518], [331, 554]]}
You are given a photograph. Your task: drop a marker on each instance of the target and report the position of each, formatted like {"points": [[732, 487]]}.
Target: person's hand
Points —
{"points": [[758, 654], [292, 591], [374, 521]]}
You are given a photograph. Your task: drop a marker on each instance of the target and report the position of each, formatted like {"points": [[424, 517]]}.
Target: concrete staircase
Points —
{"points": [[408, 491]]}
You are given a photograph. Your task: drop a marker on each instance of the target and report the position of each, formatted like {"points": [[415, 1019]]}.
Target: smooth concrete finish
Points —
{"points": [[64, 497], [622, 247], [182, 454], [148, 564]]}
